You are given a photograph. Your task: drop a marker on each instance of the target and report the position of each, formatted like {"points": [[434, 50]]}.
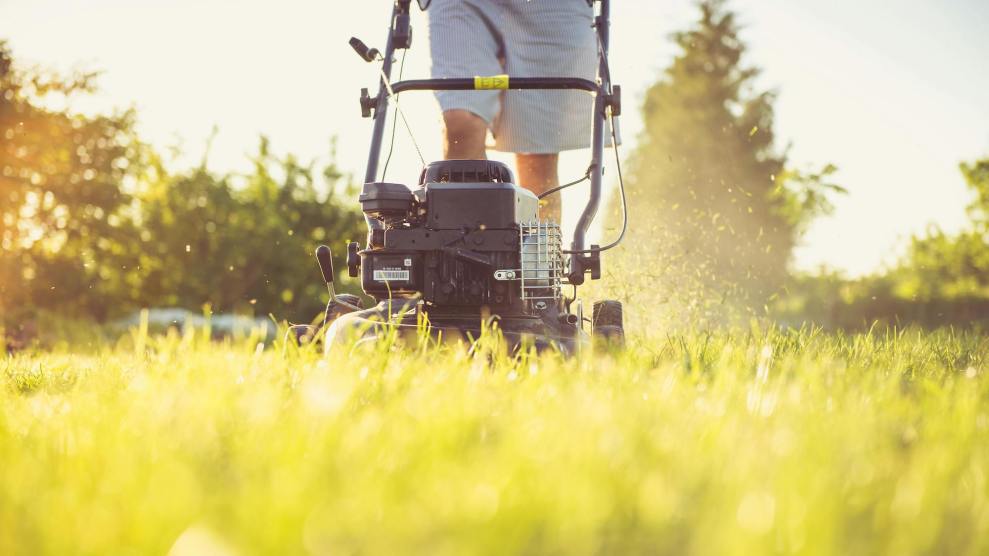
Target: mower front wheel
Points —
{"points": [[608, 322], [302, 334]]}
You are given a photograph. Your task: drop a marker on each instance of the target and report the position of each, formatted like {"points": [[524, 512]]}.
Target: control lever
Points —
{"points": [[324, 257]]}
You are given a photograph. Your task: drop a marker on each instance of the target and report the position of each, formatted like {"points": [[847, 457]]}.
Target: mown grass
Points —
{"points": [[755, 442]]}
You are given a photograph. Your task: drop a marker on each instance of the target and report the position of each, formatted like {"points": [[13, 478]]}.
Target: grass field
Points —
{"points": [[758, 442]]}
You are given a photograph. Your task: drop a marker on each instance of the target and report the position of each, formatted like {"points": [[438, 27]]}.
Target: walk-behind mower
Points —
{"points": [[466, 246]]}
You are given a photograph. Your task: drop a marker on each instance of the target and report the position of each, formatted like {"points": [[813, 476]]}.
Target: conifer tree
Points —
{"points": [[713, 221]]}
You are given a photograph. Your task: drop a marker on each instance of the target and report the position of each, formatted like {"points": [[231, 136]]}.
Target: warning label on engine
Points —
{"points": [[391, 275]]}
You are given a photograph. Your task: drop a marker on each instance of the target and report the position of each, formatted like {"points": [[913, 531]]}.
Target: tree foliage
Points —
{"points": [[942, 266], [61, 177], [942, 278], [239, 242], [717, 212], [93, 223]]}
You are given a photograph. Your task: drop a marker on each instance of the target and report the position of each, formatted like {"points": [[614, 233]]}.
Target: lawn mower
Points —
{"points": [[465, 249]]}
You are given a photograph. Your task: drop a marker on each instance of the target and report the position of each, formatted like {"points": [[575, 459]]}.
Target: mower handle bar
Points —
{"points": [[496, 82]]}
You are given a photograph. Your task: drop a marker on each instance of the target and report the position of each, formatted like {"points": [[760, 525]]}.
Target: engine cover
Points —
{"points": [[478, 206], [465, 225]]}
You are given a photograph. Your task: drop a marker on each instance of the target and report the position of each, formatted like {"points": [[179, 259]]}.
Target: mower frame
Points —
{"points": [[606, 97]]}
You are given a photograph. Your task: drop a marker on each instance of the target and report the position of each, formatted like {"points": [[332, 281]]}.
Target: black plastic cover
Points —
{"points": [[386, 200], [478, 206]]}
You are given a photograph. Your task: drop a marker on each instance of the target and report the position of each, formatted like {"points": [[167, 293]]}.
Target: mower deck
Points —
{"points": [[407, 321]]}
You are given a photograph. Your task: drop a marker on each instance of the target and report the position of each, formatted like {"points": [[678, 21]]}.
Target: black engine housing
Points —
{"points": [[445, 240]]}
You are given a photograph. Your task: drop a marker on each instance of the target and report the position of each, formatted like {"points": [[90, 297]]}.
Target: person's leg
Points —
{"points": [[463, 135], [464, 41], [546, 38], [538, 173]]}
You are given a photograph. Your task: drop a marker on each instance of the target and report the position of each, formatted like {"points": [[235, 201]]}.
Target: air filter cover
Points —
{"points": [[386, 200]]}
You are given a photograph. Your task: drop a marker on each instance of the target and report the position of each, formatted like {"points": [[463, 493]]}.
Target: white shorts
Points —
{"points": [[522, 38]]}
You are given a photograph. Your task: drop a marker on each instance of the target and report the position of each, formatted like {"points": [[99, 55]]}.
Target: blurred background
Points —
{"points": [[794, 161]]}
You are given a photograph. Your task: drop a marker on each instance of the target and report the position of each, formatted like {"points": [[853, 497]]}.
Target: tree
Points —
{"points": [[240, 243], [977, 178], [716, 213], [92, 223], [942, 266], [941, 280], [60, 191]]}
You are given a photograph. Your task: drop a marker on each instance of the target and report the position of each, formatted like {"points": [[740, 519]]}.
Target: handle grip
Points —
{"points": [[325, 259], [362, 50]]}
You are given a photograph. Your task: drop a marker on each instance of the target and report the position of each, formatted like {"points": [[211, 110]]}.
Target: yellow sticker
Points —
{"points": [[491, 82]]}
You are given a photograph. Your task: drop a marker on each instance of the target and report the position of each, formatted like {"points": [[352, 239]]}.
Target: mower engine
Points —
{"points": [[466, 238], [466, 243]]}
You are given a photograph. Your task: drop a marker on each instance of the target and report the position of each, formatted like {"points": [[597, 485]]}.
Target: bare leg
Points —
{"points": [[537, 173], [464, 134]]}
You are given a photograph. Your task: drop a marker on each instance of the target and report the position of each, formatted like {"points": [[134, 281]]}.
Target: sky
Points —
{"points": [[893, 93]]}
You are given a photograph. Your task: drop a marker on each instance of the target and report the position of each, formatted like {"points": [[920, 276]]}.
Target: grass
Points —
{"points": [[756, 442]]}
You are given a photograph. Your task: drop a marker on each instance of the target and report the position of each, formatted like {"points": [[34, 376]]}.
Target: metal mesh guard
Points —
{"points": [[541, 257]]}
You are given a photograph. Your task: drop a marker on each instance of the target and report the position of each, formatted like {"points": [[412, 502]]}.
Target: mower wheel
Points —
{"points": [[302, 334], [611, 335], [607, 312], [607, 319]]}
